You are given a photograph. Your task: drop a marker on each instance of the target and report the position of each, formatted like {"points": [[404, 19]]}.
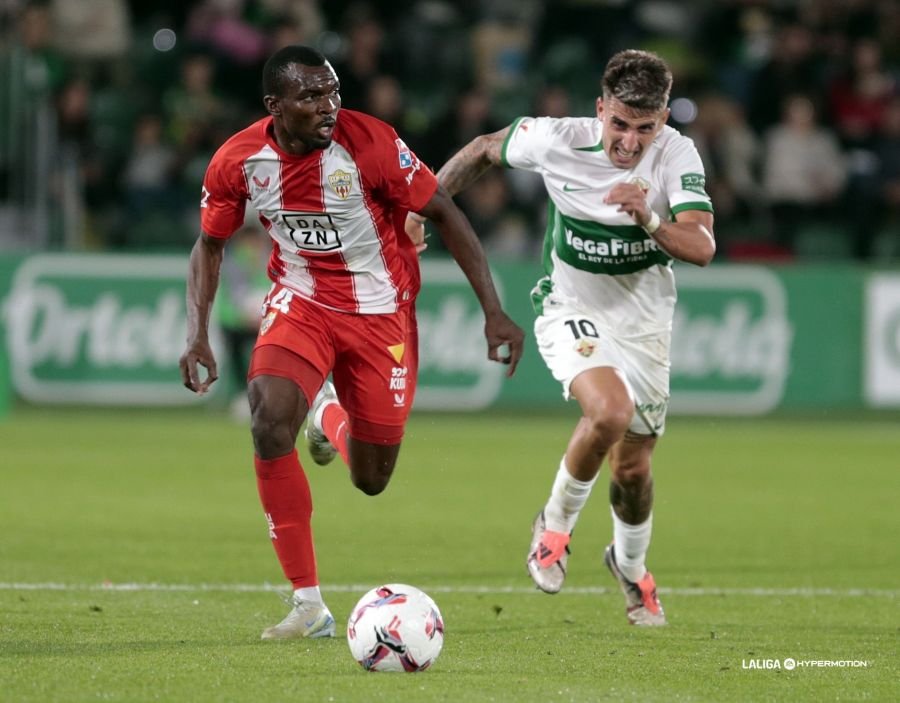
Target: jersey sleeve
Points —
{"points": [[224, 196], [405, 180], [527, 143], [685, 177]]}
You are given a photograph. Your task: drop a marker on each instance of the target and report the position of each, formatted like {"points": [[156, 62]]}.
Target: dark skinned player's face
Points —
{"points": [[306, 110]]}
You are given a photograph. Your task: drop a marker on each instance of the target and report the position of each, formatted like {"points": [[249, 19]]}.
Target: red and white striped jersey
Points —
{"points": [[335, 215]]}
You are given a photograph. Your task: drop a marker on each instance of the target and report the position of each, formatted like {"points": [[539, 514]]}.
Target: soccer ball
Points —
{"points": [[395, 627]]}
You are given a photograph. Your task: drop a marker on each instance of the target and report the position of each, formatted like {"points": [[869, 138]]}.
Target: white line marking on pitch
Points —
{"points": [[486, 590]]}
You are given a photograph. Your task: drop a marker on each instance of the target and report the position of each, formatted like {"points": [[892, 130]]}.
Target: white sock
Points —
{"points": [[567, 498], [309, 593], [631, 543]]}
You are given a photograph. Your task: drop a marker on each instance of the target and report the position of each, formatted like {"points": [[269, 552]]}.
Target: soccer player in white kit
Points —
{"points": [[627, 197]]}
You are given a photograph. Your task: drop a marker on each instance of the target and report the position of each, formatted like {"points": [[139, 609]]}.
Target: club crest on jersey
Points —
{"points": [[267, 322], [641, 183], [404, 153], [341, 183]]}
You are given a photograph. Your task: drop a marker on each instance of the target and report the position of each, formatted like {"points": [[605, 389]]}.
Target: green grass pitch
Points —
{"points": [[135, 564]]}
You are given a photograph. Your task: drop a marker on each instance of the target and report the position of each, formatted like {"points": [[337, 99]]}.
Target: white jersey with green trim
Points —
{"points": [[594, 255]]}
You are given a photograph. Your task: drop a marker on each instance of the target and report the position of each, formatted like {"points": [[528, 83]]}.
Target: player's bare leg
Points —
{"points": [[631, 482], [278, 408], [607, 409], [631, 502], [327, 433], [372, 465]]}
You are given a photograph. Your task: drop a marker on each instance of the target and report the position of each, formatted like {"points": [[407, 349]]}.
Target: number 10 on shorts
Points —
{"points": [[582, 328]]}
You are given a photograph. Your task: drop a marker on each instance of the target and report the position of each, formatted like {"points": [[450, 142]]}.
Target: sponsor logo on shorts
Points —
{"points": [[397, 351], [398, 378], [398, 385], [653, 415]]}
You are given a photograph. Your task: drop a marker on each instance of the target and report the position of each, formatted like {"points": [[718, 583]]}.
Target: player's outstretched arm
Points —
{"points": [[463, 168], [476, 157], [202, 282], [462, 243]]}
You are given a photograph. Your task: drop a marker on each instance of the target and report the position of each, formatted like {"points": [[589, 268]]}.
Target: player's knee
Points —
{"points": [[370, 485], [372, 480], [371, 465], [272, 436], [610, 420]]}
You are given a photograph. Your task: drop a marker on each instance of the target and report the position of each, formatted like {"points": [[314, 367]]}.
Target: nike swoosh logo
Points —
{"points": [[566, 189]]}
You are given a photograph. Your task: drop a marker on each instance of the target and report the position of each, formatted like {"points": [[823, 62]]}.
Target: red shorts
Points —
{"points": [[373, 359]]}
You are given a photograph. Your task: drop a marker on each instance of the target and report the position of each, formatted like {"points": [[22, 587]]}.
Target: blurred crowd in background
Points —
{"points": [[111, 109]]}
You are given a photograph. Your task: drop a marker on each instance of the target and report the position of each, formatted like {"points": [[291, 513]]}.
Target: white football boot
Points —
{"points": [[642, 606], [548, 556], [320, 449], [306, 619]]}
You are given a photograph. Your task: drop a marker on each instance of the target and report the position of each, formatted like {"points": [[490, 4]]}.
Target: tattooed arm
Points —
{"points": [[463, 169], [467, 165]]}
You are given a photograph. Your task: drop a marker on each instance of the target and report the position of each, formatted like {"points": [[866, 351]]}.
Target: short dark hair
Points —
{"points": [[273, 71], [638, 79]]}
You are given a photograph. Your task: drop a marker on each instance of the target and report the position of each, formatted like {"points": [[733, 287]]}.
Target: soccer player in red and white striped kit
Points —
{"points": [[333, 188]]}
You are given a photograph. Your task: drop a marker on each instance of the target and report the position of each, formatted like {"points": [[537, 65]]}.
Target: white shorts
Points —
{"points": [[573, 340]]}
